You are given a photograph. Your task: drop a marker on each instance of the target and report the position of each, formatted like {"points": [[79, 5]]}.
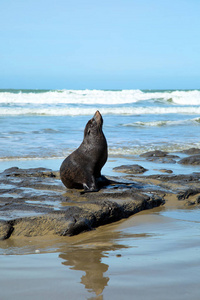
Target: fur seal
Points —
{"points": [[82, 168]]}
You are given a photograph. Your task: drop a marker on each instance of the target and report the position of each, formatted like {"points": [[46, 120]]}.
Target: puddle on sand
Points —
{"points": [[191, 215], [4, 186], [37, 192], [56, 205], [10, 195], [16, 214]]}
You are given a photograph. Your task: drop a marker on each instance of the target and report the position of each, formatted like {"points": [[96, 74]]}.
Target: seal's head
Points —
{"points": [[94, 125]]}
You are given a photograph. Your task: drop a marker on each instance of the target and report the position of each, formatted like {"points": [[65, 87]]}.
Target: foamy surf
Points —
{"points": [[84, 111], [98, 97], [133, 149], [194, 121]]}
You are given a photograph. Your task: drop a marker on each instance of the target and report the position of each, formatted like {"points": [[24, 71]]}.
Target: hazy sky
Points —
{"points": [[104, 44]]}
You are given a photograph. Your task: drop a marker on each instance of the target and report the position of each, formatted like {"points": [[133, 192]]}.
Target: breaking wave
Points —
{"points": [[76, 111], [98, 97], [194, 121]]}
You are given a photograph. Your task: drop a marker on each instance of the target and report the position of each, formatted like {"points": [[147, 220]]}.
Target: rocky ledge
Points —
{"points": [[33, 202]]}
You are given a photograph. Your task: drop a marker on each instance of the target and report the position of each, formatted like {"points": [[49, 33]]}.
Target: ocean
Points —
{"points": [[49, 124]]}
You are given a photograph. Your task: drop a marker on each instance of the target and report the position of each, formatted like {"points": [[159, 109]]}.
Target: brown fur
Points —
{"points": [[82, 168]]}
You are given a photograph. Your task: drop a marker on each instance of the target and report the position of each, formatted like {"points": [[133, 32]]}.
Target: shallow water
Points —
{"points": [[154, 254]]}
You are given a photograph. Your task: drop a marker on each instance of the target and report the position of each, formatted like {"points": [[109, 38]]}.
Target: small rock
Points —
{"points": [[191, 160], [163, 160], [156, 153], [166, 171], [160, 157], [191, 151], [190, 203], [188, 193], [130, 169], [5, 230], [198, 200]]}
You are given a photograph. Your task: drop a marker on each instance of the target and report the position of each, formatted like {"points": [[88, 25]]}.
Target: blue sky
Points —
{"points": [[121, 44]]}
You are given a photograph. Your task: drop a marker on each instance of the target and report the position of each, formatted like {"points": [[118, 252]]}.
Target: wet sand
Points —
{"points": [[154, 254], [151, 255]]}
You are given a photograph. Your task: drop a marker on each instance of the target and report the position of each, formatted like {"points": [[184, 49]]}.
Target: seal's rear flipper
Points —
{"points": [[104, 182]]}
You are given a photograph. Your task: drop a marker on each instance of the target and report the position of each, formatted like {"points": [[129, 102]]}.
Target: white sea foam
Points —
{"points": [[76, 111], [195, 121], [169, 147], [100, 97], [123, 151], [74, 97]]}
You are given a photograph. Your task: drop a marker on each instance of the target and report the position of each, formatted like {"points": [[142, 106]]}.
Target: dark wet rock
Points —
{"points": [[198, 199], [188, 193], [190, 160], [163, 160], [130, 169], [179, 185], [6, 230], [33, 202], [156, 153], [190, 203], [191, 151], [160, 157], [182, 178], [32, 172]]}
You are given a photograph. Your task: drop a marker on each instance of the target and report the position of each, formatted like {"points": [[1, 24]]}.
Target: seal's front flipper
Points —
{"points": [[90, 186]]}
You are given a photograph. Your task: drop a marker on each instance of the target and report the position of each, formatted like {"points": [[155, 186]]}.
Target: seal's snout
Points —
{"points": [[98, 118]]}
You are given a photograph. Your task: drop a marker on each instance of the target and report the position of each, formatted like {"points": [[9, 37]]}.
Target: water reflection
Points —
{"points": [[89, 261], [87, 257]]}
